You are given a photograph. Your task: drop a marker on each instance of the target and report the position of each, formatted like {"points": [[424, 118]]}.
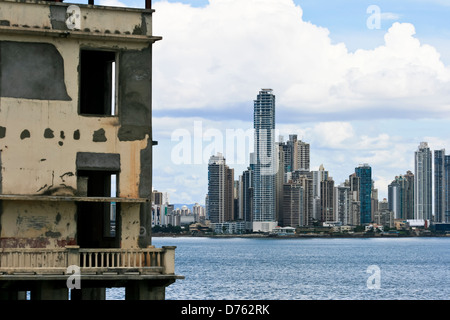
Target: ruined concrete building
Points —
{"points": [[76, 153]]}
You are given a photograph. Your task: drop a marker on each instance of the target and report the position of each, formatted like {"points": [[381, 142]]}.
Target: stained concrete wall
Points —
{"points": [[98, 19], [41, 130]]}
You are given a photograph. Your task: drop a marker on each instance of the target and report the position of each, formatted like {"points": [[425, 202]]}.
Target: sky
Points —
{"points": [[361, 81]]}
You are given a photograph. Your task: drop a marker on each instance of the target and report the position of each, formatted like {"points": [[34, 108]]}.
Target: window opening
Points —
{"points": [[97, 82]]}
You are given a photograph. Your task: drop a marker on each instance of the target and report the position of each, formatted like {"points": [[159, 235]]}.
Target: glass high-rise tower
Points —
{"points": [[364, 172], [441, 186], [423, 183], [265, 162]]}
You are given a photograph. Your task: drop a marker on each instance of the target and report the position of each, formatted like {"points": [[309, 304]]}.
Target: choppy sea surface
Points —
{"points": [[307, 269]]}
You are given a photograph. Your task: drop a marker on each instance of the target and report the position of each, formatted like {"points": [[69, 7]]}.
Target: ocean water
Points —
{"points": [[308, 269]]}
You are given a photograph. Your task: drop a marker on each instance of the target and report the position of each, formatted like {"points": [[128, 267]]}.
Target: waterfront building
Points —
{"points": [[384, 216], [441, 186], [395, 196], [296, 154], [318, 177], [423, 183], [292, 205], [303, 156], [247, 198], [364, 173], [306, 182], [199, 213], [327, 200], [157, 197], [76, 135], [220, 190], [299, 153], [280, 180], [446, 217], [230, 227], [236, 192], [265, 162], [287, 155], [342, 204], [374, 200], [353, 183], [401, 196]]}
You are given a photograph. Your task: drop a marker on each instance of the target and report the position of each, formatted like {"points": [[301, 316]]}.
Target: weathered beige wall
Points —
{"points": [[37, 165], [130, 225], [37, 224]]}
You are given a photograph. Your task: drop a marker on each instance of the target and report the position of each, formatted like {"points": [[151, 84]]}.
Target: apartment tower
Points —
{"points": [[265, 162], [423, 183]]}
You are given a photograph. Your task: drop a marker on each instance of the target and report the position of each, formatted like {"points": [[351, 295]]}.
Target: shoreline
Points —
{"points": [[301, 236]]}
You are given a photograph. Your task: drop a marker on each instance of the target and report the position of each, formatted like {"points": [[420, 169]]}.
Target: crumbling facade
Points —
{"points": [[76, 152]]}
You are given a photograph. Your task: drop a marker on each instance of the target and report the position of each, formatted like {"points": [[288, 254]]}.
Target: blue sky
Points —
{"points": [[356, 94]]}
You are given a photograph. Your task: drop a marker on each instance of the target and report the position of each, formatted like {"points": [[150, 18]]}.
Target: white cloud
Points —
{"points": [[334, 135], [214, 60], [222, 54]]}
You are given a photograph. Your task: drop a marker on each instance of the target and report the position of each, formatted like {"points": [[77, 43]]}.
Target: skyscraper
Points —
{"points": [[423, 183], [297, 154], [446, 217], [439, 183], [318, 177], [304, 178], [265, 165], [354, 183], [364, 172], [220, 190], [401, 196], [441, 186], [247, 191], [327, 209], [280, 179], [292, 204], [342, 199]]}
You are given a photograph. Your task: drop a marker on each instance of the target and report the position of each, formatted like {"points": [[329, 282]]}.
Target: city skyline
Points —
{"points": [[357, 131], [358, 92]]}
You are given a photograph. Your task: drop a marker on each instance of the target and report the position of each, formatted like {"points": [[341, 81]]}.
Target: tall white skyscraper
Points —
{"points": [[265, 162], [423, 183]]}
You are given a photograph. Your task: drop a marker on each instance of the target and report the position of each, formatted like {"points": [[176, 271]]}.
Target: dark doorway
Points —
{"points": [[96, 220]]}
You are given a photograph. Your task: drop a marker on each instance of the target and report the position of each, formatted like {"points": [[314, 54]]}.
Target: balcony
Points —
{"points": [[148, 261]]}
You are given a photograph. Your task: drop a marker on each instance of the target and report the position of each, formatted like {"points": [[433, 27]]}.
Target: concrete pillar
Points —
{"points": [[144, 290], [88, 294], [169, 259], [49, 290]]}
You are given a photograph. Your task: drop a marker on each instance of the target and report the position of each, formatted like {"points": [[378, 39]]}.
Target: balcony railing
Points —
{"points": [[90, 261]]}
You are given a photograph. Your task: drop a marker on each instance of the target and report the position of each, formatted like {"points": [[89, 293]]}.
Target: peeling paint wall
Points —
{"points": [[42, 132], [37, 224]]}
